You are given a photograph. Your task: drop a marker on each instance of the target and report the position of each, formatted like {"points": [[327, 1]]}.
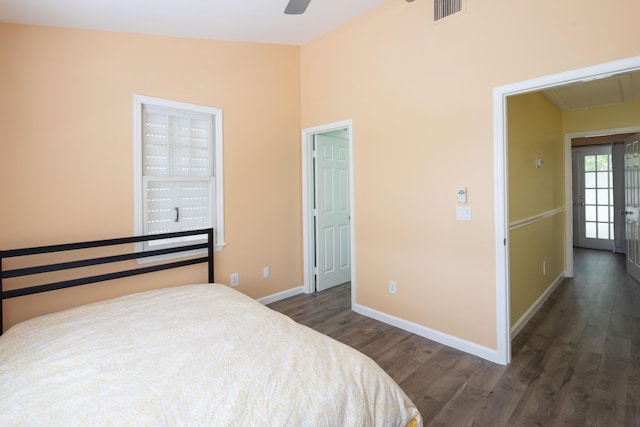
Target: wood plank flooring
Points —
{"points": [[577, 362]]}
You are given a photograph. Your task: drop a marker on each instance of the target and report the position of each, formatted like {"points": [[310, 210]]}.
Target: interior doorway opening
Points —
{"points": [[593, 197], [601, 71], [589, 179], [328, 215]]}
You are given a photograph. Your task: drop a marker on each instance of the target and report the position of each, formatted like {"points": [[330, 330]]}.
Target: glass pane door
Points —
{"points": [[595, 197]]}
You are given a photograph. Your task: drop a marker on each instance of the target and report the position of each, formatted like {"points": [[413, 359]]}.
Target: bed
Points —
{"points": [[188, 355]]}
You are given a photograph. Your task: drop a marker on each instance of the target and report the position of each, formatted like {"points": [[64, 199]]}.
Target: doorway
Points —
{"points": [[588, 143], [593, 197], [327, 179], [616, 136], [503, 322]]}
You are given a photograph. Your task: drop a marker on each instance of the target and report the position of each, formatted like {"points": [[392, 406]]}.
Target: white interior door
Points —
{"points": [[593, 197], [333, 258], [632, 203]]}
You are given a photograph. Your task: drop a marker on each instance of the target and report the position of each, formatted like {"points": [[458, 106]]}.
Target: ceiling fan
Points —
{"points": [[296, 7]]}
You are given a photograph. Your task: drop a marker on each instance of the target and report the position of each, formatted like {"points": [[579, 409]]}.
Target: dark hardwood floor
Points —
{"points": [[576, 363]]}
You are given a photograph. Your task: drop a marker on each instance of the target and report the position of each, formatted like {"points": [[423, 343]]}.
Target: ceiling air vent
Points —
{"points": [[444, 8]]}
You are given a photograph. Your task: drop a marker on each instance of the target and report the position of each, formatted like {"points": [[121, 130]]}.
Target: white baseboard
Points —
{"points": [[517, 327], [489, 354], [281, 295], [439, 337]]}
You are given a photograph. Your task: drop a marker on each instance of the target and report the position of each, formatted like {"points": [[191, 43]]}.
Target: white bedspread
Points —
{"points": [[197, 355]]}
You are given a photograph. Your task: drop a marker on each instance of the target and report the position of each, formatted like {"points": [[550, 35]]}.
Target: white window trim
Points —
{"points": [[138, 101]]}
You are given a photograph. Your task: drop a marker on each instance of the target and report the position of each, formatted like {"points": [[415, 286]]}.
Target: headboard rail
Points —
{"points": [[165, 265]]}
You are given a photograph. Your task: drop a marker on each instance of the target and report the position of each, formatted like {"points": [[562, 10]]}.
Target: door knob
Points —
{"points": [[626, 212]]}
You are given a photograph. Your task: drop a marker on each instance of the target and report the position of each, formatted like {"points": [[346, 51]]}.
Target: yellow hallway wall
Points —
{"points": [[534, 132], [420, 95], [66, 153], [611, 117]]}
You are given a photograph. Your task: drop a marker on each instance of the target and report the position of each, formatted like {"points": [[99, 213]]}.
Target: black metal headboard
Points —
{"points": [[101, 260]]}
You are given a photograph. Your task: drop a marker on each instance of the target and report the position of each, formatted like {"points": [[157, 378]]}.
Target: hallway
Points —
{"points": [[582, 348]]}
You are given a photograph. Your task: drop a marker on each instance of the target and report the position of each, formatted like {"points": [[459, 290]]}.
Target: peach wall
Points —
{"points": [[66, 156], [420, 95]]}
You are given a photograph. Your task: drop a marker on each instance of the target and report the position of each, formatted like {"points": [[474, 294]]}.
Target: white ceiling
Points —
{"points": [[621, 89], [239, 20]]}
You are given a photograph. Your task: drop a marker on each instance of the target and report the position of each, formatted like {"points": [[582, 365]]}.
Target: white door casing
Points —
{"points": [[632, 204], [308, 198], [503, 328], [332, 211]]}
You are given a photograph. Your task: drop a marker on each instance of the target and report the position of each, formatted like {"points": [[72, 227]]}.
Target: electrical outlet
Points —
{"points": [[265, 272], [235, 280], [392, 287]]}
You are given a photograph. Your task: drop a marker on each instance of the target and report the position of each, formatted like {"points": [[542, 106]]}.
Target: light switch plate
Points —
{"points": [[463, 213]]}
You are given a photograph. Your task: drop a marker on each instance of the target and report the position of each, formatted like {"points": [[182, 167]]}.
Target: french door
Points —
{"points": [[593, 206], [632, 203]]}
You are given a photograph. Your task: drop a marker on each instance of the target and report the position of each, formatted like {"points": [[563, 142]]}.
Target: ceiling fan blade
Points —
{"points": [[296, 7]]}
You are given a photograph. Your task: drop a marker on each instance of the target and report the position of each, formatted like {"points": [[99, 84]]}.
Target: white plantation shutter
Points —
{"points": [[177, 155], [177, 206], [176, 143]]}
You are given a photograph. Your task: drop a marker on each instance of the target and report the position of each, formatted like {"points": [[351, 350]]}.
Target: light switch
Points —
{"points": [[463, 213]]}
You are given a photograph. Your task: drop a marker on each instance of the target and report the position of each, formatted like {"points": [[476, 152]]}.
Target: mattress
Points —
{"points": [[189, 355]]}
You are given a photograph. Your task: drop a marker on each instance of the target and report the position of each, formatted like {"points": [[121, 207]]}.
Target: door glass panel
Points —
{"points": [[603, 197], [603, 179], [603, 213], [603, 162], [598, 196], [603, 230]]}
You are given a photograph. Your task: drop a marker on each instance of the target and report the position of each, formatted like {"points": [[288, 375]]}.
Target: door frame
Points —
{"points": [[569, 176], [500, 94], [307, 202]]}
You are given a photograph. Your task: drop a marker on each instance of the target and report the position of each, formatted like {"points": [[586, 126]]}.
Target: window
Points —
{"points": [[178, 168]]}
